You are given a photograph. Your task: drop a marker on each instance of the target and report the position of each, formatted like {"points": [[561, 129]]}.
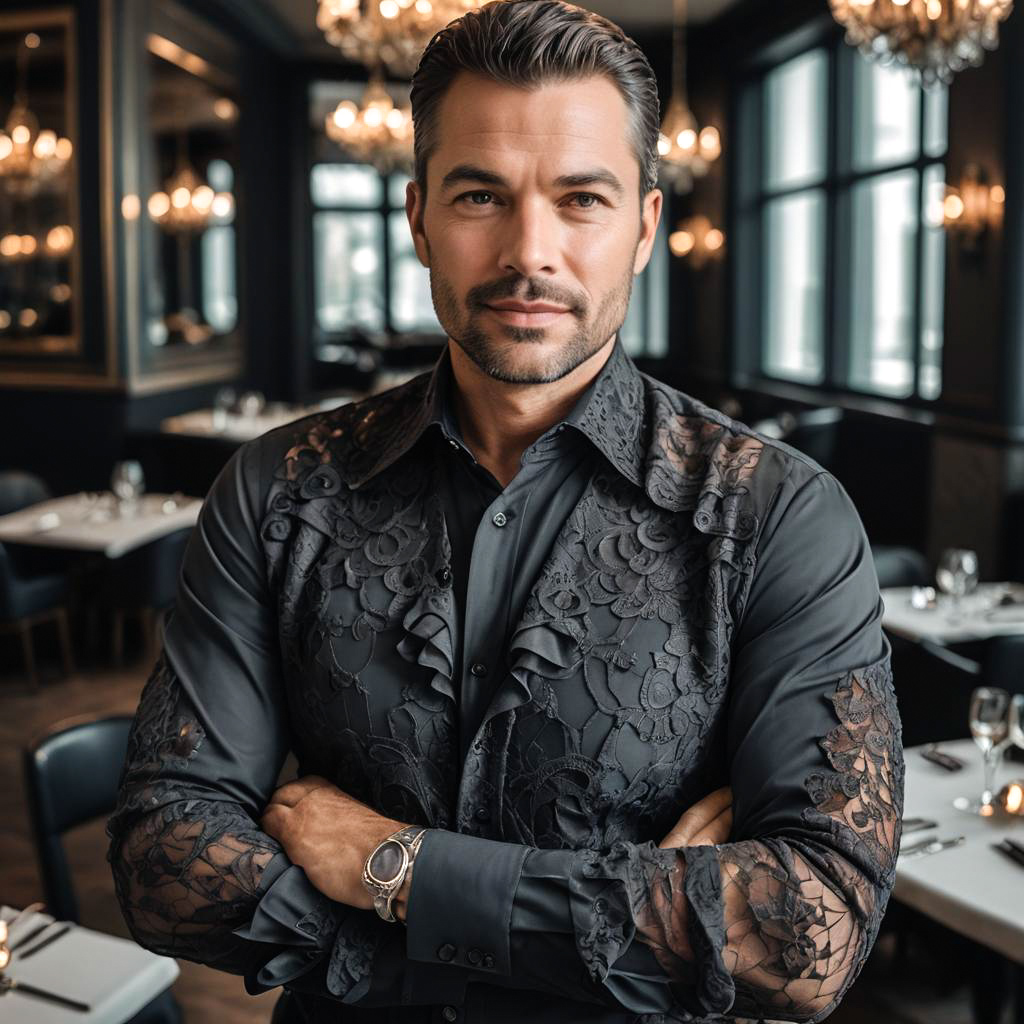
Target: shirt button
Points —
{"points": [[500, 519], [446, 952], [444, 577], [454, 444], [450, 1013], [474, 956], [478, 669], [488, 960], [600, 906], [482, 814]]}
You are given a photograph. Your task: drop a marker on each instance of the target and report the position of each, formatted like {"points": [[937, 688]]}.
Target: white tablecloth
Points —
{"points": [[981, 615], [114, 976], [74, 521], [971, 888]]}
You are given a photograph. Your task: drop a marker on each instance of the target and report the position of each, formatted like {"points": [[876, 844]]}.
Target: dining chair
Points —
{"points": [[72, 774], [143, 582], [30, 594]]}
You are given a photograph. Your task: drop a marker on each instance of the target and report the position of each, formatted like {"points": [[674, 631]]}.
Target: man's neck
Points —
{"points": [[500, 421]]}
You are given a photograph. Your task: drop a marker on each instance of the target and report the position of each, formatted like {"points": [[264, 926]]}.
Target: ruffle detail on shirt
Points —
{"points": [[702, 884], [428, 640], [539, 649]]}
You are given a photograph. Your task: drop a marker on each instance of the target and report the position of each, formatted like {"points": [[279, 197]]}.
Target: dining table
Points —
{"points": [[973, 887], [920, 615], [99, 522], [64, 973]]}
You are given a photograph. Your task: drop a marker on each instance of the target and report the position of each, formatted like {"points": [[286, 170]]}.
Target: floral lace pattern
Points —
{"points": [[613, 714]]}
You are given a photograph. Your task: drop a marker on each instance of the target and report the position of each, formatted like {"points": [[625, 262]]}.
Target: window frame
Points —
{"points": [[750, 197]]}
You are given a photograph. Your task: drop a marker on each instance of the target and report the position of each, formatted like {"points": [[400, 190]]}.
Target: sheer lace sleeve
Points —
{"points": [[195, 876]]}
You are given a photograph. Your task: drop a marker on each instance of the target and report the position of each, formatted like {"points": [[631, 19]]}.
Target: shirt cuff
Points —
{"points": [[460, 901]]}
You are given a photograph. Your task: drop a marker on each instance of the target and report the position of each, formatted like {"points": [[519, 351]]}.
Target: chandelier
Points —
{"points": [[686, 151], [936, 37], [29, 157], [375, 132], [697, 240], [187, 204], [392, 32]]}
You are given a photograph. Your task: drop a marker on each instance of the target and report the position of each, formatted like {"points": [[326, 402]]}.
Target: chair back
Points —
{"points": [[19, 490], [72, 774]]}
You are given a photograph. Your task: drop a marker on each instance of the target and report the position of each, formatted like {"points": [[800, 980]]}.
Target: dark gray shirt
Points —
{"points": [[662, 602]]}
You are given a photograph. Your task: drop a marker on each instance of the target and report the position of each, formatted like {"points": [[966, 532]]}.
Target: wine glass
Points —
{"points": [[957, 575], [990, 727], [223, 402], [127, 482], [1015, 720]]}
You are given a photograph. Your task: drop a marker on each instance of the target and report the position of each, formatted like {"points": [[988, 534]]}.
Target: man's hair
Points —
{"points": [[527, 43]]}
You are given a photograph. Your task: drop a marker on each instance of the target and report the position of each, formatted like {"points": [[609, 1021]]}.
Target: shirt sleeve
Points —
{"points": [[195, 876], [776, 923]]}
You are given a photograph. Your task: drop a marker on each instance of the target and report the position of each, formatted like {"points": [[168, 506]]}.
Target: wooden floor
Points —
{"points": [[882, 994]]}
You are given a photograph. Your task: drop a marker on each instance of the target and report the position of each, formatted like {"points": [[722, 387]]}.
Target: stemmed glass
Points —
{"points": [[957, 575], [990, 717], [223, 403], [1015, 720], [127, 482]]}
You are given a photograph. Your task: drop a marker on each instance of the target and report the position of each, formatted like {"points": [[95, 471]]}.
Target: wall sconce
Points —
{"points": [[697, 241], [970, 210]]}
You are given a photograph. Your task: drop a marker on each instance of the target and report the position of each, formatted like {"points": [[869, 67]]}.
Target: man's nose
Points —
{"points": [[530, 240]]}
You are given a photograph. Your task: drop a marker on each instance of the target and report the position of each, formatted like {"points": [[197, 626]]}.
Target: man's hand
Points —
{"points": [[706, 823], [329, 834]]}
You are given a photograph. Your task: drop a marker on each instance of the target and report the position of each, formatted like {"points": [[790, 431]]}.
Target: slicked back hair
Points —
{"points": [[526, 44]]}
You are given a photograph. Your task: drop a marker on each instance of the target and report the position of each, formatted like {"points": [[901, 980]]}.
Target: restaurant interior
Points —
{"points": [[203, 236]]}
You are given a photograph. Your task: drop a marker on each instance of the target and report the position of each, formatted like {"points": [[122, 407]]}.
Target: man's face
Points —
{"points": [[532, 225]]}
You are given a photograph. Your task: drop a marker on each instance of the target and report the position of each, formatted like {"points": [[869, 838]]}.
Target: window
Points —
{"points": [[366, 275], [840, 248]]}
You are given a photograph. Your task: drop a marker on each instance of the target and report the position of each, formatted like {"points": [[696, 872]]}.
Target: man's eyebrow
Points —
{"points": [[596, 177], [468, 172]]}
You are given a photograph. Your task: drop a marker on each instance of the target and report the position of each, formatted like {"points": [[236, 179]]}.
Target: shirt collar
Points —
{"points": [[610, 414]]}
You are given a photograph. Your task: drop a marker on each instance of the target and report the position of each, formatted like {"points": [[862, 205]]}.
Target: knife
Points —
{"points": [[11, 985], [931, 845], [24, 954]]}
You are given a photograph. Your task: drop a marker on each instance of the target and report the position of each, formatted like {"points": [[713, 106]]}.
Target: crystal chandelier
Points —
{"points": [[187, 204], [697, 240], [686, 151], [392, 32], [376, 132], [936, 37], [29, 157]]}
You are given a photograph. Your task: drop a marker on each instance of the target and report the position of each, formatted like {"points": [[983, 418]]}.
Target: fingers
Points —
{"points": [[715, 833], [292, 792], [700, 815]]}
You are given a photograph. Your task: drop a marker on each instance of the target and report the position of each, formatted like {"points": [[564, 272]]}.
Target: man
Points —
{"points": [[521, 614]]}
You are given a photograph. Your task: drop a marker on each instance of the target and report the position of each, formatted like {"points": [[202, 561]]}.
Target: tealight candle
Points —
{"points": [[1011, 797]]}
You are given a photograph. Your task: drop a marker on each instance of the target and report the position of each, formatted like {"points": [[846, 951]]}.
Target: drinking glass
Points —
{"points": [[127, 482], [957, 575], [223, 402], [1015, 720], [990, 727]]}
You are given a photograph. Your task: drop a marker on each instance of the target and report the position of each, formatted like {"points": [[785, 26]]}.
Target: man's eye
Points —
{"points": [[587, 200], [474, 196]]}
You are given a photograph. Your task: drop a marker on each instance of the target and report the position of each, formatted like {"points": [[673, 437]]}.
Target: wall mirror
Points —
{"points": [[39, 262]]}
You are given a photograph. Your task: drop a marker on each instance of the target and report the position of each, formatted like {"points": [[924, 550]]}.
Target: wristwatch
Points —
{"points": [[386, 867]]}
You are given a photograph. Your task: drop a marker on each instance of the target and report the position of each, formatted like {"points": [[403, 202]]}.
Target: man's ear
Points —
{"points": [[649, 217], [414, 203]]}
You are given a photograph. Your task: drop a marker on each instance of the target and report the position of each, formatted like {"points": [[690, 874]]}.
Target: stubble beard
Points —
{"points": [[496, 358]]}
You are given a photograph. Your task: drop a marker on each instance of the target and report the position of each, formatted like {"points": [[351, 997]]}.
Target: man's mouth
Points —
{"points": [[526, 314]]}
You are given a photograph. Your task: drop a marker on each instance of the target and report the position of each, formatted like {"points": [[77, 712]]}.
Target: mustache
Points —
{"points": [[535, 291]]}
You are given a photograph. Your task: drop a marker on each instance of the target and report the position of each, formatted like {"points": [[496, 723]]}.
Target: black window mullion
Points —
{"points": [[918, 318], [834, 334]]}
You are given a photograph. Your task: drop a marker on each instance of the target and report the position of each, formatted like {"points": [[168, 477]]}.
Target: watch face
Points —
{"points": [[387, 861]]}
